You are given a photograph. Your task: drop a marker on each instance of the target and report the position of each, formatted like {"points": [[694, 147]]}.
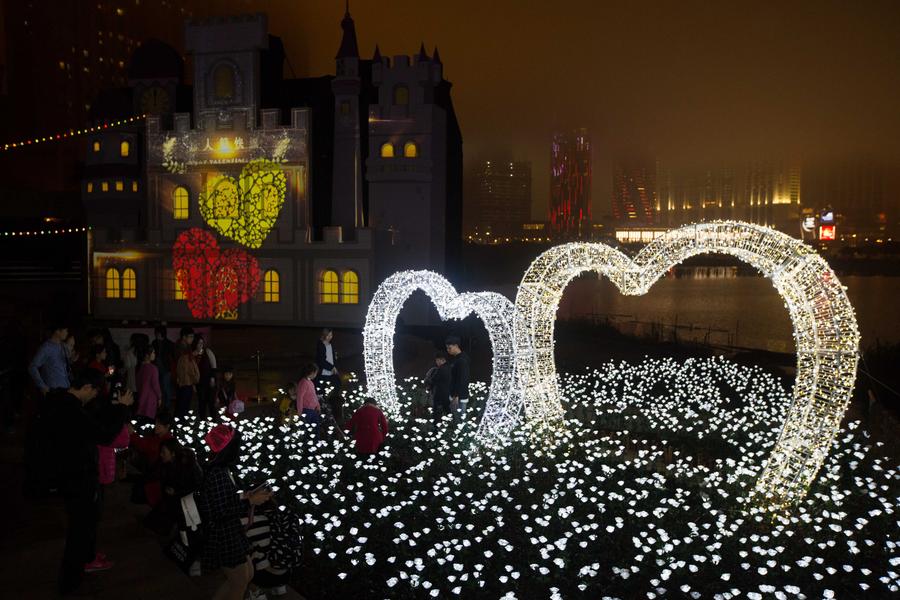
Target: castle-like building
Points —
{"points": [[252, 198]]}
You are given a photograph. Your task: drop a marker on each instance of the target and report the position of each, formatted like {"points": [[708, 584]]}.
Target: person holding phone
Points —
{"points": [[221, 508], [74, 431]]}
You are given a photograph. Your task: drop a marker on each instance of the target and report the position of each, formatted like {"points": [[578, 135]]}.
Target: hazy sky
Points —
{"points": [[685, 80]]}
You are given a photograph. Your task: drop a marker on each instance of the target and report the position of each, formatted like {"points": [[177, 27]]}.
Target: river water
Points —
{"points": [[719, 306]]}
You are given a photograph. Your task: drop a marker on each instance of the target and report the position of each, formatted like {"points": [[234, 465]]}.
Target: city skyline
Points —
{"points": [[735, 83]]}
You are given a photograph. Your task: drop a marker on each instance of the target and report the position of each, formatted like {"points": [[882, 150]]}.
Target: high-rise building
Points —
{"points": [[763, 192], [60, 57], [570, 184], [634, 200], [502, 203]]}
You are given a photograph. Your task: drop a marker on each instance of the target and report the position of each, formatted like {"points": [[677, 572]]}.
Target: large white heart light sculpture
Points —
{"points": [[504, 403], [825, 331]]}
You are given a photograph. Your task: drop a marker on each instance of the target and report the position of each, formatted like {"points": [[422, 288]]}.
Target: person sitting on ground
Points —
{"points": [[179, 475], [275, 535], [307, 402], [221, 508], [75, 431], [146, 458], [437, 384], [226, 397], [369, 427], [149, 390]]}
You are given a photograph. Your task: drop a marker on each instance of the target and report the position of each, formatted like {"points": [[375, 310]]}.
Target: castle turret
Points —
{"points": [[347, 193]]}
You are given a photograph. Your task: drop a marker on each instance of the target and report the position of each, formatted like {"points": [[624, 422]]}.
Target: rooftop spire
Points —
{"points": [[422, 54], [436, 58], [349, 48], [377, 56]]}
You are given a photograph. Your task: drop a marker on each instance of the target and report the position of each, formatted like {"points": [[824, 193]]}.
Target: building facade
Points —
{"points": [[570, 184], [252, 206], [634, 201], [502, 199]]}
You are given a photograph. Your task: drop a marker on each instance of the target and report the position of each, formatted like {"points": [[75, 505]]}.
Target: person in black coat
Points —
{"points": [[74, 430], [437, 383], [459, 377]]}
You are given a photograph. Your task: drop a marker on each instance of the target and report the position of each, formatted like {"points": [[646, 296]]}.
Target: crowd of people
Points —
{"points": [[95, 404]]}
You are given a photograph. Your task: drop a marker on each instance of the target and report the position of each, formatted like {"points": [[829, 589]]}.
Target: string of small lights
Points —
{"points": [[64, 230], [71, 133]]}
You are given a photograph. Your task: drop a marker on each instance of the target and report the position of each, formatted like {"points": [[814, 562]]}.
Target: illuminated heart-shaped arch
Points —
{"points": [[825, 331], [504, 402]]}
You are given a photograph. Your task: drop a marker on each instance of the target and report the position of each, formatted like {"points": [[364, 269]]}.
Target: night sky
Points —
{"points": [[685, 81]]}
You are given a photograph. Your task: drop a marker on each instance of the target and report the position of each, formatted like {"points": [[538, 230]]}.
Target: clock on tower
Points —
{"points": [[154, 100]]}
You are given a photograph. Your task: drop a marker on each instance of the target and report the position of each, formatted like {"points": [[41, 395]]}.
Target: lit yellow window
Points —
{"points": [[223, 82], [112, 283], [96, 146], [90, 187], [410, 150], [401, 95], [129, 284], [179, 290], [350, 288], [180, 203], [104, 186], [134, 186], [120, 186], [387, 150], [124, 148], [271, 287], [328, 288]]}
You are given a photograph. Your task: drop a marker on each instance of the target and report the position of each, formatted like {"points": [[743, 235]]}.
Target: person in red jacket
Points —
{"points": [[369, 427]]}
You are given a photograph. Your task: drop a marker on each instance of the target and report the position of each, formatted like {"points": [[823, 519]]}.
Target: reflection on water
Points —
{"points": [[717, 306]]}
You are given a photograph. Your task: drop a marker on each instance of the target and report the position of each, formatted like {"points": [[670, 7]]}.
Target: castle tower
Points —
{"points": [[414, 166], [347, 193], [226, 55]]}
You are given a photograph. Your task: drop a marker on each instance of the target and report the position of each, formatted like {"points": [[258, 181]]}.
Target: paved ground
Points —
{"points": [[32, 542]]}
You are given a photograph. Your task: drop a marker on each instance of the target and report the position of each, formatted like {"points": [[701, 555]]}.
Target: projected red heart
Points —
{"points": [[214, 281]]}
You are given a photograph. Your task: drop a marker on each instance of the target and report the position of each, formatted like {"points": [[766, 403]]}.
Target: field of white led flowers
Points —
{"points": [[643, 495]]}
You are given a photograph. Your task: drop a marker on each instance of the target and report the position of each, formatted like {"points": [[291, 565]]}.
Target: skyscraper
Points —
{"points": [[502, 200], [634, 200], [570, 184]]}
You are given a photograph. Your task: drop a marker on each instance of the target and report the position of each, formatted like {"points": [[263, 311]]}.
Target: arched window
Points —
{"points": [[112, 283], [180, 275], [328, 288], [410, 150], [134, 186], [96, 146], [401, 95], [271, 287], [223, 82], [387, 150], [124, 148], [90, 187], [180, 203], [349, 288], [129, 283], [225, 199], [104, 186], [120, 186]]}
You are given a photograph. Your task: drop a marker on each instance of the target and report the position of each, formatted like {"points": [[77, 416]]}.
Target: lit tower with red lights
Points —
{"points": [[570, 184]]}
